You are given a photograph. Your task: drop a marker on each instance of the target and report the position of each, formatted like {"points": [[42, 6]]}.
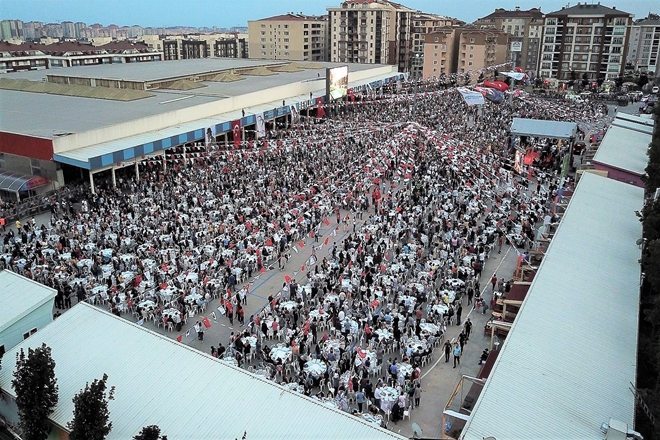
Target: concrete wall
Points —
{"points": [[208, 110], [13, 335]]}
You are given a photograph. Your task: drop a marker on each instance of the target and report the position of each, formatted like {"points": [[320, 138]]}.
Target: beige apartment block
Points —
{"points": [[525, 28], [294, 37], [424, 24], [371, 31], [463, 49]]}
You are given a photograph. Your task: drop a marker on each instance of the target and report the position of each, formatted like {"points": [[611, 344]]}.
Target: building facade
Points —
{"points": [[294, 37], [585, 40], [463, 49], [189, 47], [371, 31], [525, 29], [33, 56], [424, 24], [644, 44]]}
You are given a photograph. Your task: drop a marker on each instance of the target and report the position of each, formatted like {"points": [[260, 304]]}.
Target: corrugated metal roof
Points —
{"points": [[642, 128], [568, 361], [187, 393], [624, 149], [19, 296], [543, 128]]}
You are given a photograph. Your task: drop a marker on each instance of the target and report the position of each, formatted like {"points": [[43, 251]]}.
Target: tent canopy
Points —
{"points": [[543, 128], [14, 182]]}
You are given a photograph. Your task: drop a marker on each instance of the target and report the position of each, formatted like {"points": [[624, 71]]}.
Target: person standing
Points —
{"points": [[459, 311], [468, 328], [493, 281], [360, 398], [447, 350], [457, 354], [417, 394]]}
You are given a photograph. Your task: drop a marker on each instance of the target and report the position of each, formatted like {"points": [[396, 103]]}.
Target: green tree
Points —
{"points": [[91, 417], [151, 432], [35, 385]]}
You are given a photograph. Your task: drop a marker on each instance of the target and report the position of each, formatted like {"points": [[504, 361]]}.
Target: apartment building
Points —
{"points": [[371, 31], [584, 39], [463, 49], [189, 47], [295, 37], [424, 24], [36, 56], [525, 28], [644, 44]]}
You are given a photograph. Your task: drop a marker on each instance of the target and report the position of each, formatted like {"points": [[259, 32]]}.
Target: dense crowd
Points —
{"points": [[399, 199]]}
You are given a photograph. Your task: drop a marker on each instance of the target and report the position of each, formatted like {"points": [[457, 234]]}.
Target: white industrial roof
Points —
{"points": [[85, 153], [19, 296], [187, 393], [543, 128], [641, 119], [570, 358], [624, 149], [625, 123], [22, 110]]}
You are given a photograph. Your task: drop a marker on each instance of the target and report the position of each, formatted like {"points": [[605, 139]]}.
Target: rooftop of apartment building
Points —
{"points": [[292, 16], [651, 20], [73, 48], [589, 9], [373, 4], [515, 13]]}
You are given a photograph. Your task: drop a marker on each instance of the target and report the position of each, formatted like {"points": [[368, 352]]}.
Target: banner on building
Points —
{"points": [[261, 125], [236, 132], [209, 136], [516, 46]]}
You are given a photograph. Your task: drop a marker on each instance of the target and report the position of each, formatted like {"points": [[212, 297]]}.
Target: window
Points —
{"points": [[28, 334], [35, 165]]}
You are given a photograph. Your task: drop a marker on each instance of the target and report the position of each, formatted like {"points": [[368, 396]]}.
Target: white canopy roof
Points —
{"points": [[19, 296], [624, 149], [570, 358], [543, 128], [187, 393]]}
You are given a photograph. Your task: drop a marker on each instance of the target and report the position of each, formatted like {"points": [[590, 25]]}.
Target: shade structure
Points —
{"points": [[15, 182]]}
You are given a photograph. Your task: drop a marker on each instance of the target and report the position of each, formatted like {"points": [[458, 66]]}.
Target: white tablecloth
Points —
{"points": [[280, 352], [315, 367]]}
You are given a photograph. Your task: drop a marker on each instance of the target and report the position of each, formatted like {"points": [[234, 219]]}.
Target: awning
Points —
{"points": [[543, 128], [14, 182]]}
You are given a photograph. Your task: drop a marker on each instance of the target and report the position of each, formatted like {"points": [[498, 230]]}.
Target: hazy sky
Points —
{"points": [[226, 13]]}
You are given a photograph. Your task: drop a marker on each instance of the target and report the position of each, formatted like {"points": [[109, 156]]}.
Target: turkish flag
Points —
{"points": [[311, 234], [262, 270], [301, 244], [179, 338], [326, 221], [236, 132], [206, 322], [269, 242], [302, 268], [326, 241], [287, 279]]}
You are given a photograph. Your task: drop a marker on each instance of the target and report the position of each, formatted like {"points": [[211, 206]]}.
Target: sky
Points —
{"points": [[226, 13]]}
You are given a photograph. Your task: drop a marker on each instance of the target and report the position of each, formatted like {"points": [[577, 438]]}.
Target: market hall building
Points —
{"points": [[64, 126]]}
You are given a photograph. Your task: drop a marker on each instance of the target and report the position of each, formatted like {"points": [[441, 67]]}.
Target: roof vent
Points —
{"points": [[618, 430]]}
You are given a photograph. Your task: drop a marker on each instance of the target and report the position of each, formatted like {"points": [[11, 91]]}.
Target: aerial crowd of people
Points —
{"points": [[396, 201]]}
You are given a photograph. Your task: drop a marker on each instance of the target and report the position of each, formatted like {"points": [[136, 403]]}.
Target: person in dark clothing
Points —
{"points": [[447, 350], [459, 311]]}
